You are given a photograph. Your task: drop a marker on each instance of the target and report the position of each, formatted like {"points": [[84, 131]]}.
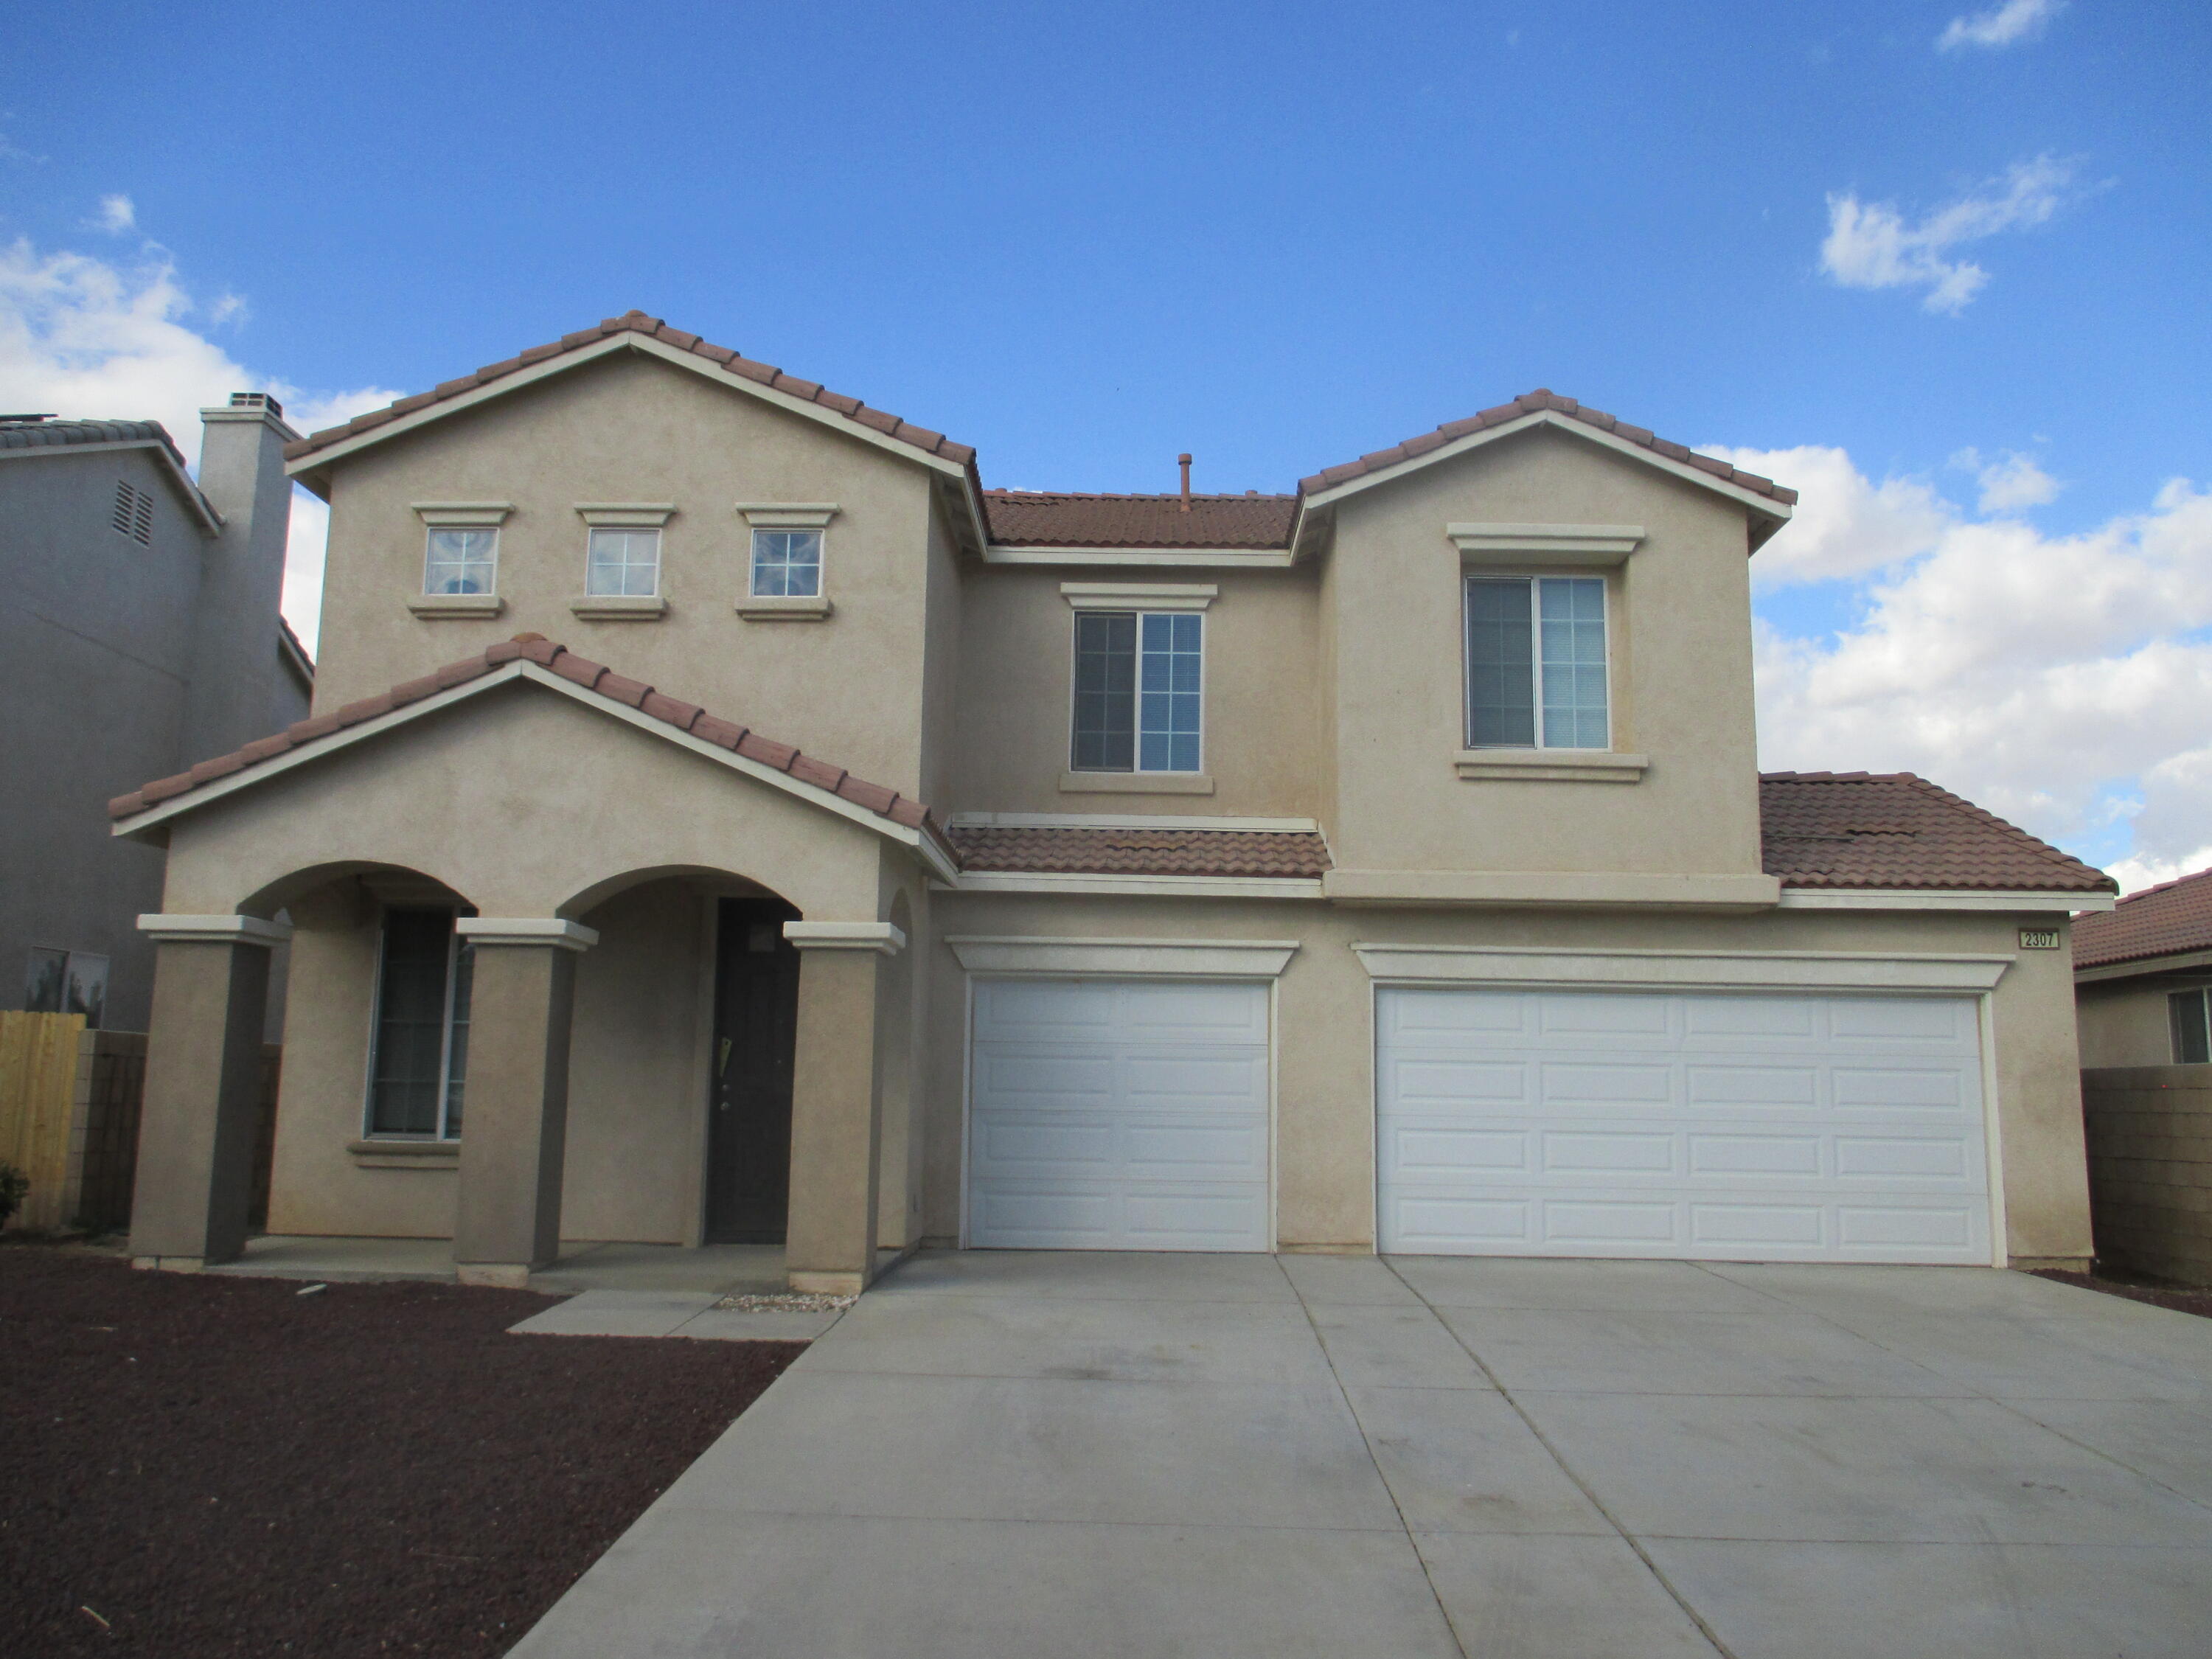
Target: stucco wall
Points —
{"points": [[1680, 640], [1325, 1126], [2124, 1021], [631, 428]]}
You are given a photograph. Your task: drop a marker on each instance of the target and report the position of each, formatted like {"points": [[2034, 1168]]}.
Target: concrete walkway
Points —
{"points": [[1048, 1455]]}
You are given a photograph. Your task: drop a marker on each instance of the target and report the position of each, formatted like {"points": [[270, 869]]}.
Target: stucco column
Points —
{"points": [[837, 1104], [202, 1088], [514, 1110]]}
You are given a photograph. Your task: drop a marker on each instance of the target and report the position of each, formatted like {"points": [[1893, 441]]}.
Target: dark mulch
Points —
{"points": [[2178, 1298], [220, 1466]]}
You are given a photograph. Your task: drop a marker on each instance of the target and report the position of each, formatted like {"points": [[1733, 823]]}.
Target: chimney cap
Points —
{"points": [[257, 400], [23, 420]]}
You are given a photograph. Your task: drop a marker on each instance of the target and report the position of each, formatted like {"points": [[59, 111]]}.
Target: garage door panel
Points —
{"points": [[1412, 1013], [1753, 1130], [1119, 1114], [1613, 1016]]}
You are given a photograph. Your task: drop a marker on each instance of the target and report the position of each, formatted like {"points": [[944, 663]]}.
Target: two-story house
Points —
{"points": [[141, 632], [723, 818]]}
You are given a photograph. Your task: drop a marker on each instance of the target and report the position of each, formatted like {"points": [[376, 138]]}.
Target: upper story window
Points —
{"points": [[419, 1065], [786, 564], [623, 562], [2190, 1014], [460, 561], [1139, 687], [1536, 663]]}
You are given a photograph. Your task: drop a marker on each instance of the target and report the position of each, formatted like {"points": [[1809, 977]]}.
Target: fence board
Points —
{"points": [[38, 1091]]}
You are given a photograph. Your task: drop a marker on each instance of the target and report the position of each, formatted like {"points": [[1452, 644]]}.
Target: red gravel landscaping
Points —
{"points": [[204, 1465]]}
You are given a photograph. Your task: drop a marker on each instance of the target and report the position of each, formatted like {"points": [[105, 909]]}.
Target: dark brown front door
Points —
{"points": [[749, 1092]]}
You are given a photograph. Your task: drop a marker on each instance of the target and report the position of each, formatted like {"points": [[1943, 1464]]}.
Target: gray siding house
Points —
{"points": [[141, 631]]}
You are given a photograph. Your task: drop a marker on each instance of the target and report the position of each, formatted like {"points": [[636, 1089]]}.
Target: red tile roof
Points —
{"points": [[2173, 917], [637, 322], [1142, 852], [1023, 518], [1531, 403], [1849, 829], [593, 676]]}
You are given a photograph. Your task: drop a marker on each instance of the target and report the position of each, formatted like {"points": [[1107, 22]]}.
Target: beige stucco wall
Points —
{"points": [[629, 428], [1325, 1126], [1680, 640], [1017, 676], [2124, 1021]]}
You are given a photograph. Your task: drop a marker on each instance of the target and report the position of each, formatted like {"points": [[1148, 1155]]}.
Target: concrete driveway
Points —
{"points": [[1208, 1457]]}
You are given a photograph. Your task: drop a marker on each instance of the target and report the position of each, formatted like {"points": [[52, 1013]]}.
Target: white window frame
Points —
{"points": [[591, 563], [430, 534], [821, 559], [1136, 767], [454, 942], [1532, 578], [2174, 1017]]}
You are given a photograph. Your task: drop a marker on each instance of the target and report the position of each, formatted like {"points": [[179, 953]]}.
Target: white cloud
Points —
{"points": [[1845, 525], [1869, 245], [83, 337], [2009, 483], [2037, 676], [116, 214], [2001, 25]]}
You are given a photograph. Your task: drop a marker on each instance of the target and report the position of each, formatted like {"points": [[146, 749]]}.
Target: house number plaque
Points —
{"points": [[2038, 939]]}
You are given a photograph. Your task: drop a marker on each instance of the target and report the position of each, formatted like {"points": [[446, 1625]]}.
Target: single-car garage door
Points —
{"points": [[1118, 1114], [1728, 1126]]}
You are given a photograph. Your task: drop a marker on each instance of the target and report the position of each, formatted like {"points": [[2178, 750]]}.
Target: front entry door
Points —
{"points": [[749, 1090]]}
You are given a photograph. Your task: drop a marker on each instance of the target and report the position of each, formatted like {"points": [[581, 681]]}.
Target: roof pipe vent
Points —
{"points": [[1183, 461]]}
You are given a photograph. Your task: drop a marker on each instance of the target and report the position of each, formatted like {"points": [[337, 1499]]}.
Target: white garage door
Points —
{"points": [[1748, 1127], [1118, 1114]]}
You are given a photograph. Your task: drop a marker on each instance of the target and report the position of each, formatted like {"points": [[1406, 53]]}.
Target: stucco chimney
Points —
{"points": [[236, 655], [1183, 461]]}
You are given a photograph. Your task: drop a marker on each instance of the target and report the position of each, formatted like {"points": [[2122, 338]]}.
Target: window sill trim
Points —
{"points": [[620, 607], [1550, 766], [396, 1154], [1135, 783], [455, 607], [810, 607]]}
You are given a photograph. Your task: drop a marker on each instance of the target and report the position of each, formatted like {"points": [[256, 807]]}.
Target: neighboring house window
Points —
{"points": [[66, 982], [1536, 663], [460, 562], [420, 1062], [2190, 1013], [624, 561], [1139, 690], [786, 564], [134, 513]]}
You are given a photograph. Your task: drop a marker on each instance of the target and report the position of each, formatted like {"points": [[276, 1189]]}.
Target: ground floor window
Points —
{"points": [[66, 982], [419, 1062], [2191, 1012]]}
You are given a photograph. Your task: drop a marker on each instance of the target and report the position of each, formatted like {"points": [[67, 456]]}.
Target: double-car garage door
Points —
{"points": [[1129, 1114]]}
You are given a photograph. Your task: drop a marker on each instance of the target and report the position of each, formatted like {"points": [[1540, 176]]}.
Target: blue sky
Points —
{"points": [[1085, 239]]}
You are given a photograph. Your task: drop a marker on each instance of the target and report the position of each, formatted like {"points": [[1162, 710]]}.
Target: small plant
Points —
{"points": [[14, 1184]]}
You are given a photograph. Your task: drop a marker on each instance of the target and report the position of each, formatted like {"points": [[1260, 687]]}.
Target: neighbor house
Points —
{"points": [[141, 633], [723, 818], [2143, 977]]}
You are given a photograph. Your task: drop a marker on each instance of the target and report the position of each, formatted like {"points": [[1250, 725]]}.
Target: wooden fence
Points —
{"points": [[2149, 1130], [69, 1101]]}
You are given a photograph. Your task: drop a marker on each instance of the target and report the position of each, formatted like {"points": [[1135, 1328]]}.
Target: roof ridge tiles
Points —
{"points": [[596, 677]]}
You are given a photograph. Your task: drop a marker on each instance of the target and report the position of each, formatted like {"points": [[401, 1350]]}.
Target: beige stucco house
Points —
{"points": [[2143, 972], [722, 817]]}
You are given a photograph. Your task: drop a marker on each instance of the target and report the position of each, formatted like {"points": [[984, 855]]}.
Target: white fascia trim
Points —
{"points": [[1729, 970], [1763, 505], [522, 668], [1907, 898], [195, 503], [1128, 821], [1141, 958], [2179, 963], [1054, 881], [883, 937], [214, 930], [1140, 596], [556, 932], [1244, 558], [562, 362]]}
